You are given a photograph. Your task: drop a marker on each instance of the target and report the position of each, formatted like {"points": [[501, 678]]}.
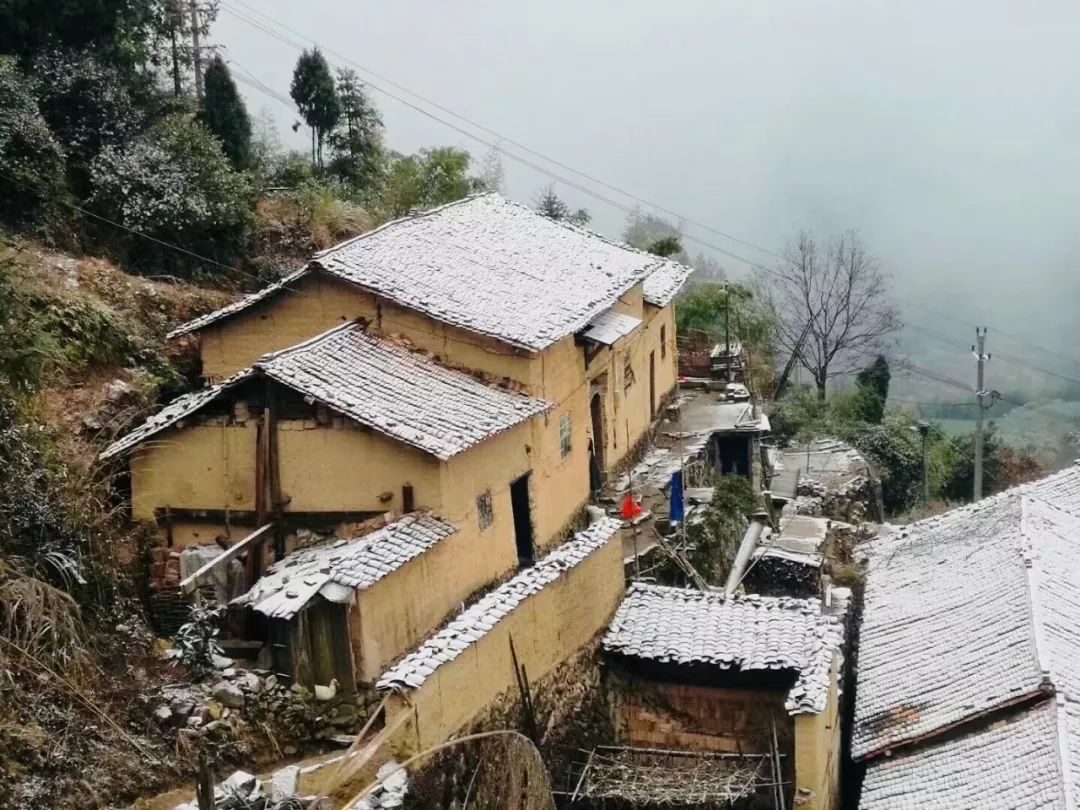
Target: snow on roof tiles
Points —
{"points": [[970, 611], [237, 306], [399, 392], [491, 266], [353, 564], [476, 621], [1016, 764], [495, 267], [174, 412], [609, 326], [664, 283], [379, 383], [743, 633]]}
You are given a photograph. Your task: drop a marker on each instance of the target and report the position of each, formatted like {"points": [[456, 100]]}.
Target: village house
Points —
{"points": [[436, 398], [749, 685], [968, 685]]}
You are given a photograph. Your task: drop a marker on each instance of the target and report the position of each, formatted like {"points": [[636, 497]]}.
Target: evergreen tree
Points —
{"points": [[317, 99], [666, 246], [224, 114], [551, 205], [357, 140], [872, 390]]}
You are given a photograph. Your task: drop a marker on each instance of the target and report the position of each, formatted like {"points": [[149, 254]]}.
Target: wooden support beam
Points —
{"points": [[188, 584]]}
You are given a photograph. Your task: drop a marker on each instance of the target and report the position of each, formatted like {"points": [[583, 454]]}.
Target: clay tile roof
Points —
{"points": [[490, 266], [379, 383], [479, 619], [664, 283], [285, 283], [351, 564], [1017, 764], [970, 612], [743, 633]]}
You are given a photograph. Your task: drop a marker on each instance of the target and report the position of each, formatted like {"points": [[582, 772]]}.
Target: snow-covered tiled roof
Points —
{"points": [[398, 391], [743, 633], [609, 326], [495, 267], [477, 620], [337, 569], [664, 283], [491, 266], [285, 283], [968, 612], [379, 383], [174, 412], [1016, 764]]}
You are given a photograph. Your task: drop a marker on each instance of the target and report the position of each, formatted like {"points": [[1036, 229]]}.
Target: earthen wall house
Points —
{"points": [[460, 363]]}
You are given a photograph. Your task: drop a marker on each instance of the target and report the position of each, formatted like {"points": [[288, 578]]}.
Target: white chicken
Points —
{"points": [[327, 692]]}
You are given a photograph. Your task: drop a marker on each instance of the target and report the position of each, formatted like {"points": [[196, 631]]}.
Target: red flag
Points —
{"points": [[630, 508]]}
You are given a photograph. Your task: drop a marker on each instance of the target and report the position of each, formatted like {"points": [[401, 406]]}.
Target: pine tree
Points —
{"points": [[224, 114], [872, 389], [357, 140], [317, 99]]}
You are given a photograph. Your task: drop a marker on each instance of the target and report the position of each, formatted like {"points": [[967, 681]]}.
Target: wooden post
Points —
{"points": [[204, 789]]}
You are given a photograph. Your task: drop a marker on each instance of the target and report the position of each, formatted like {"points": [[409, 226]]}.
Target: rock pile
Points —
{"points": [[244, 791], [850, 502], [221, 708]]}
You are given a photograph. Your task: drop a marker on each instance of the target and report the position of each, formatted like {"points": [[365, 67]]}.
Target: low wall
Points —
{"points": [[547, 628]]}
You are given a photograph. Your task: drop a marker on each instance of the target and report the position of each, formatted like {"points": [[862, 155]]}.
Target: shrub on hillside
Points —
{"points": [[31, 160], [175, 184]]}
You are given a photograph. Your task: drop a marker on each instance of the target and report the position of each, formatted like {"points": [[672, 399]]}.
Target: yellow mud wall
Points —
{"points": [[196, 467], [324, 468], [319, 302], [488, 467], [343, 467], [312, 304], [547, 628], [660, 336], [398, 612], [817, 754]]}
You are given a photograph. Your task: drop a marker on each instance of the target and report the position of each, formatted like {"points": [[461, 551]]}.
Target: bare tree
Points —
{"points": [[832, 306]]}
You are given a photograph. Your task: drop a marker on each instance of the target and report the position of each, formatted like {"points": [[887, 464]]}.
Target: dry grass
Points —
{"points": [[43, 622]]}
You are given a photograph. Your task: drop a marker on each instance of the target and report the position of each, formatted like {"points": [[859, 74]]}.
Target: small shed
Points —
{"points": [[333, 610], [753, 677]]}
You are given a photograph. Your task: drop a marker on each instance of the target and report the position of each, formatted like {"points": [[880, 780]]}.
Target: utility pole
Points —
{"points": [[727, 331], [979, 350], [196, 56], [924, 431]]}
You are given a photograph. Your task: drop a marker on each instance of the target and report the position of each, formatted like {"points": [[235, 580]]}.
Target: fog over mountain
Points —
{"points": [[946, 133]]}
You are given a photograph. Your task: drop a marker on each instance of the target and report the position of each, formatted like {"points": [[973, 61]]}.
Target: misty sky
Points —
{"points": [[945, 132]]}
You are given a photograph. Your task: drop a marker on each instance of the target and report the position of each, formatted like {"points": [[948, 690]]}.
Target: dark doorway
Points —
{"points": [[596, 411], [732, 454], [329, 645], [652, 386], [523, 528]]}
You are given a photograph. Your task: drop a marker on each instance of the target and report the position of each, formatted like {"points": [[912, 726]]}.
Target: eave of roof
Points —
{"points": [[570, 275], [479, 619], [337, 569], [390, 388]]}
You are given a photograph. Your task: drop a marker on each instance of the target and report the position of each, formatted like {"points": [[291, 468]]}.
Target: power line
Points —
{"points": [[502, 138]]}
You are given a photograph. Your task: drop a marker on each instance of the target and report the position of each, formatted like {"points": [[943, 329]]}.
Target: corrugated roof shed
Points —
{"points": [[1015, 764], [379, 383], [353, 565], [476, 621], [609, 326], [491, 266], [743, 633]]}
